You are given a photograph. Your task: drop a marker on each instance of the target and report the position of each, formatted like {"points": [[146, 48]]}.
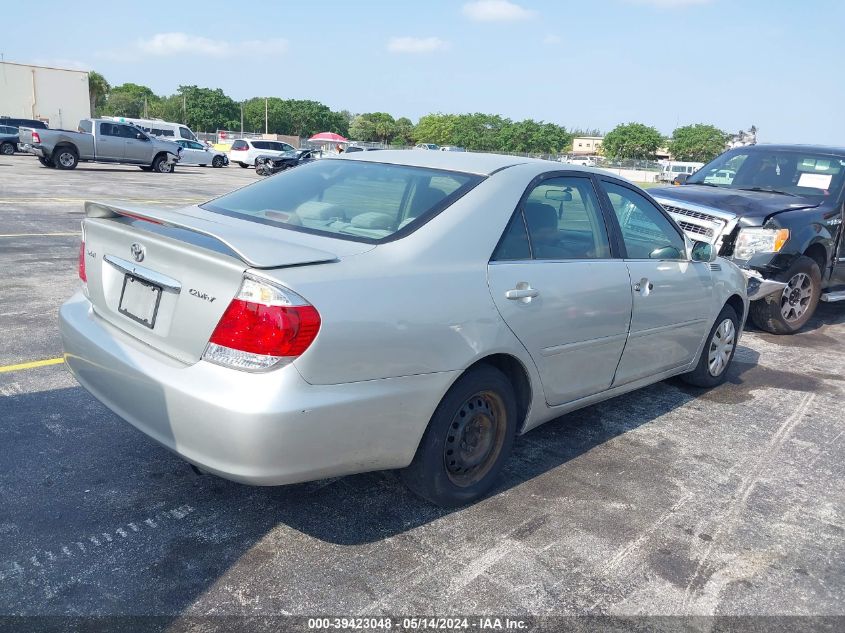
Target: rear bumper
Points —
{"points": [[263, 429]]}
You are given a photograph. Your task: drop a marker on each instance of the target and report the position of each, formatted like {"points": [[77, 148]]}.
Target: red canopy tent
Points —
{"points": [[328, 137]]}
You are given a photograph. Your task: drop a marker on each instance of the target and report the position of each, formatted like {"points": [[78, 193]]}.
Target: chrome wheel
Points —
{"points": [[721, 347], [796, 297], [475, 438], [67, 159]]}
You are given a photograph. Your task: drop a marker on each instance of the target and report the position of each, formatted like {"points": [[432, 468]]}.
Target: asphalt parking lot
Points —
{"points": [[666, 501]]}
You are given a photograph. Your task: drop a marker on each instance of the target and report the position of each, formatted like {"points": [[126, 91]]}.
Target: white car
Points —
{"points": [[583, 161], [194, 153], [245, 151]]}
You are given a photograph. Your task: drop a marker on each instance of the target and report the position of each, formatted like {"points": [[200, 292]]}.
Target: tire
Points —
{"points": [[145, 168], [7, 149], [468, 440], [65, 158], [789, 311], [244, 165], [718, 351], [161, 165], [217, 162], [203, 165], [46, 162]]}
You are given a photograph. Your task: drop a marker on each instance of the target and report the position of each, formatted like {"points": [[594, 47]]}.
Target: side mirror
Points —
{"points": [[702, 252], [140, 136]]}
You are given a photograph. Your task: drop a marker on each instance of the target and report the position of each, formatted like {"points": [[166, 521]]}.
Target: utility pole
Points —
{"points": [[145, 106], [266, 126], [242, 118], [184, 110]]}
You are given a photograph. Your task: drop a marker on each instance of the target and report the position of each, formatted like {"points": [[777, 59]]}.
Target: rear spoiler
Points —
{"points": [[256, 245]]}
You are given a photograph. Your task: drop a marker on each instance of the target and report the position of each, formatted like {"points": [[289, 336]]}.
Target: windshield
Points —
{"points": [[350, 199], [779, 171]]}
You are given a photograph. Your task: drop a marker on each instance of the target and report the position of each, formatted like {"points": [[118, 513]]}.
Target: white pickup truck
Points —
{"points": [[102, 141]]}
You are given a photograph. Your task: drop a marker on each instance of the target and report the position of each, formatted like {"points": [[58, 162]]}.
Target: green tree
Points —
{"points": [[435, 128], [362, 129], [207, 109], [631, 140], [697, 142], [98, 88], [403, 133], [128, 100], [293, 116]]}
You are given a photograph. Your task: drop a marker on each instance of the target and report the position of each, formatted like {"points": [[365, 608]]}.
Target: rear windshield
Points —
{"points": [[356, 200]]}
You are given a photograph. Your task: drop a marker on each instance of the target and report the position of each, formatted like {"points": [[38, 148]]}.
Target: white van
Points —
{"points": [[671, 169], [157, 127]]}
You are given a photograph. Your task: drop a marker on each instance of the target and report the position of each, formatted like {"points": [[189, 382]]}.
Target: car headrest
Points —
{"points": [[539, 215]]}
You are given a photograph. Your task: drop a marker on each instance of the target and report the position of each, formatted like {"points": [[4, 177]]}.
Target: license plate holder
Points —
{"points": [[139, 300]]}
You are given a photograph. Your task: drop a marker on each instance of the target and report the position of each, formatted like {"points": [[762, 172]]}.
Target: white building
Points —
{"points": [[57, 96]]}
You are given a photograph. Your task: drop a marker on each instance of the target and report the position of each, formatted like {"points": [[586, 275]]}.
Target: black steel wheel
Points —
{"points": [[467, 441]]}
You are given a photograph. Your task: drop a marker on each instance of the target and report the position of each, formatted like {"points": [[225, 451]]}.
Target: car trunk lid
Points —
{"points": [[166, 277]]}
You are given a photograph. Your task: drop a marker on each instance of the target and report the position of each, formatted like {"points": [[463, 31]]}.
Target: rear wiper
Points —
{"points": [[782, 193]]}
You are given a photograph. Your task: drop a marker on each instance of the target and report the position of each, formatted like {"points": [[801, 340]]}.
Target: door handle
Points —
{"points": [[644, 286], [523, 292]]}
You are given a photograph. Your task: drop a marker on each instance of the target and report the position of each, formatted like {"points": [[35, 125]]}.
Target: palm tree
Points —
{"points": [[98, 88]]}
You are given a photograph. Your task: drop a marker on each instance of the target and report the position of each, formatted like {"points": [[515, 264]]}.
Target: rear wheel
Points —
{"points": [[789, 311], [217, 161], [65, 158], [47, 162], [718, 352], [244, 165], [145, 168], [467, 441], [7, 149]]}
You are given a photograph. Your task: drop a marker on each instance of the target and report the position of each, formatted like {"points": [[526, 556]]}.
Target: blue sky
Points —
{"points": [[776, 63]]}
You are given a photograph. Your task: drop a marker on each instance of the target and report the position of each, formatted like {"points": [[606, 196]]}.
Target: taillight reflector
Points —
{"points": [[82, 274]]}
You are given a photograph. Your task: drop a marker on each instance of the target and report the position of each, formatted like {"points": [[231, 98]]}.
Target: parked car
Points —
{"points": [[102, 141], [430, 146], [359, 148], [9, 139], [680, 179], [452, 148], [583, 161], [394, 309], [19, 123], [268, 165], [672, 169], [245, 151], [777, 212], [195, 153]]}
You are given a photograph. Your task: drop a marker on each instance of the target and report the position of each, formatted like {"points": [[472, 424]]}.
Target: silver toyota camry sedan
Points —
{"points": [[407, 310]]}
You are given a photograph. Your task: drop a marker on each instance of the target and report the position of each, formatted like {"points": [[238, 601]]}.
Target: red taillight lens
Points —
{"points": [[82, 274], [36, 137], [284, 331], [264, 326]]}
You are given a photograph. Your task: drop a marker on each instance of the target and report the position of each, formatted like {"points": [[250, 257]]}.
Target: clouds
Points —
{"points": [[416, 45], [185, 44], [669, 4], [496, 11]]}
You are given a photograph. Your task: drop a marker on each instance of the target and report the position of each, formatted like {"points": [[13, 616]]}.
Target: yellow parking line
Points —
{"points": [[32, 364], [40, 234]]}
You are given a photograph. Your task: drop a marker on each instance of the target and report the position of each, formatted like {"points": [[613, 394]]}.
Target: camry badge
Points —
{"points": [[137, 252]]}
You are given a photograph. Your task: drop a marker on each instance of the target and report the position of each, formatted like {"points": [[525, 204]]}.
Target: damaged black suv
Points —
{"points": [[776, 211]]}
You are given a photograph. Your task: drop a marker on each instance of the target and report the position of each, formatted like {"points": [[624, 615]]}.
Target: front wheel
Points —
{"points": [[718, 352], [217, 161], [467, 441], [244, 165], [789, 311], [161, 165], [7, 149]]}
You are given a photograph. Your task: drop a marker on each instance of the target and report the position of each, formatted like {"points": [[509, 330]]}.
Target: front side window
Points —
{"points": [[647, 233], [348, 199], [107, 129]]}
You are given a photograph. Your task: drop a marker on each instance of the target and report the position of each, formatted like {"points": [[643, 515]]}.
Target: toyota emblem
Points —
{"points": [[137, 252]]}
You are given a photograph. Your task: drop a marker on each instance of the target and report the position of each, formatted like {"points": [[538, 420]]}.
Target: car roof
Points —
{"points": [[823, 149], [467, 162]]}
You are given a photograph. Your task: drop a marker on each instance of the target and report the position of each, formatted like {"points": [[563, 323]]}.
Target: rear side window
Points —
{"points": [[185, 133], [85, 126], [261, 145], [354, 200]]}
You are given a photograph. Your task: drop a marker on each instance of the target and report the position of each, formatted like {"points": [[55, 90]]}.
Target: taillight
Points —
{"points": [[264, 326], [82, 274], [36, 137]]}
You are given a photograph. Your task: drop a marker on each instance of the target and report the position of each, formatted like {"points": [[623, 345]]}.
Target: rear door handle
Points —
{"points": [[523, 292]]}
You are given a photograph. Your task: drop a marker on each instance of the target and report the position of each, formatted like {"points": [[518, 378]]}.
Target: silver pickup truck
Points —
{"points": [[101, 141]]}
